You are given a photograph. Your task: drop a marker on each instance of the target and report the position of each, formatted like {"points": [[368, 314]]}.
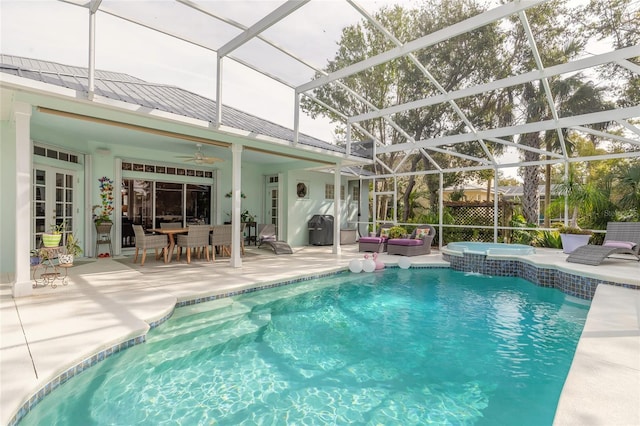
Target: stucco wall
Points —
{"points": [[301, 210]]}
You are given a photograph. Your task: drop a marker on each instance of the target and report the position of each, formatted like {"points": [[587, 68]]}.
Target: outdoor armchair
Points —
{"points": [[149, 241], [377, 243], [196, 238], [221, 237]]}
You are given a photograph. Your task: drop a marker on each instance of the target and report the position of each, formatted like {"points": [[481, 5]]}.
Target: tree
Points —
{"points": [[448, 66], [557, 42], [629, 182]]}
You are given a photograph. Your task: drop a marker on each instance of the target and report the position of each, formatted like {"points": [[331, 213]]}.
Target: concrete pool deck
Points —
{"points": [[109, 301]]}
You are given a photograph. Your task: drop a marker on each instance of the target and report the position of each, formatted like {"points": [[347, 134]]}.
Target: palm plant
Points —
{"points": [[629, 183], [585, 196]]}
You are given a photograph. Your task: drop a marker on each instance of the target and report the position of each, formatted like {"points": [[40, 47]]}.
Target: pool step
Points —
{"points": [[207, 333]]}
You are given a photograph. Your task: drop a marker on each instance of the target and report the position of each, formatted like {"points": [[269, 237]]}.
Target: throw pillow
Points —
{"points": [[420, 233], [619, 244]]}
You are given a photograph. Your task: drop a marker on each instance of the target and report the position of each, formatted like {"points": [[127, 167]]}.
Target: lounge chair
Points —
{"points": [[418, 243], [621, 238], [377, 243], [267, 236]]}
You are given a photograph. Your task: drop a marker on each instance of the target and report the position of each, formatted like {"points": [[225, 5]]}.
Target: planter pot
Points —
{"points": [[34, 260], [51, 240], [570, 242], [65, 259]]}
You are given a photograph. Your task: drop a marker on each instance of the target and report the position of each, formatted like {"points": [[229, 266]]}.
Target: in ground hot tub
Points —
{"points": [[489, 249]]}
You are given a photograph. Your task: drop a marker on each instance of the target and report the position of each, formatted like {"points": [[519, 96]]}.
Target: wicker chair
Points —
{"points": [[221, 238], [196, 238], [147, 241], [419, 242], [377, 243]]}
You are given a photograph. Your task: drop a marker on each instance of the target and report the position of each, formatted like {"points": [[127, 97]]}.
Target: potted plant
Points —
{"points": [[34, 257], [573, 237], [73, 249], [397, 232], [245, 216], [53, 237]]}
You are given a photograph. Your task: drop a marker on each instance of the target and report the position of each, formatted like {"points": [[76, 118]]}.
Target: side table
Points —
{"points": [[47, 272]]}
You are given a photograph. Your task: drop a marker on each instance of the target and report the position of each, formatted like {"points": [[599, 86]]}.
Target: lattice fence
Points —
{"points": [[477, 214]]}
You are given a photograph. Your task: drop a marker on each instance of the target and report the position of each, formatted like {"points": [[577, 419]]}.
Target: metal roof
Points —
{"points": [[129, 89]]}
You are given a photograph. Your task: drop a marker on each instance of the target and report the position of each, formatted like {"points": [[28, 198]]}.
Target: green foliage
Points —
{"points": [[573, 230], [57, 228], [397, 232], [550, 239], [73, 245], [522, 236]]}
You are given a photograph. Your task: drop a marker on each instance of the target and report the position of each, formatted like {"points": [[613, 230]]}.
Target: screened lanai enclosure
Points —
{"points": [[436, 96]]}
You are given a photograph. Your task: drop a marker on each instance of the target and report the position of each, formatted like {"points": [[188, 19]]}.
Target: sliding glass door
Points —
{"points": [[149, 203]]}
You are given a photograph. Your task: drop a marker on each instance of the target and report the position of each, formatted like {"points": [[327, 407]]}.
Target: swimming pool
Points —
{"points": [[489, 248], [397, 347]]}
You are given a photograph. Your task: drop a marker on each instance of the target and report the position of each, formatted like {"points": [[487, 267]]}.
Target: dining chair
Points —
{"points": [[196, 238], [221, 238], [147, 241]]}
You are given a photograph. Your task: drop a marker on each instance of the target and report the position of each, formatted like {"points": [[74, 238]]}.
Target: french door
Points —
{"points": [[53, 201], [271, 210]]}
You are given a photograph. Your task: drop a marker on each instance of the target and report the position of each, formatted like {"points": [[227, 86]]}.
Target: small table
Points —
{"points": [[51, 272], [251, 236], [171, 232]]}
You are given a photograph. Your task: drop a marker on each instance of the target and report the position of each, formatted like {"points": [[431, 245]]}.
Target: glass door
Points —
{"points": [[169, 203], [53, 202], [271, 210]]}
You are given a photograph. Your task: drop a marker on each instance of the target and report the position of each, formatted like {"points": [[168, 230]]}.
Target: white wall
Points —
{"points": [[300, 211]]}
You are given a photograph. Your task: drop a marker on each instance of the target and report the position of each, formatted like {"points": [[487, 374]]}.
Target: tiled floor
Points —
{"points": [[109, 301]]}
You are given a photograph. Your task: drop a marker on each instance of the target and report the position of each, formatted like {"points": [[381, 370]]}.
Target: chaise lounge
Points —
{"points": [[621, 238], [418, 243]]}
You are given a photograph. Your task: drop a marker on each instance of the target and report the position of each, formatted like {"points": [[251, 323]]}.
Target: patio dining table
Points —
{"points": [[171, 232]]}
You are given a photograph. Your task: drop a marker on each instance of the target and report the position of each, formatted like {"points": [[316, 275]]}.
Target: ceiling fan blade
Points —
{"points": [[211, 160]]}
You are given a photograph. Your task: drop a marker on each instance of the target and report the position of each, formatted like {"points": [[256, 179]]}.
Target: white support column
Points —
{"points": [[495, 205], [566, 199], [337, 187], [440, 209], [22, 285], [92, 55], [296, 118], [218, 121], [236, 199]]}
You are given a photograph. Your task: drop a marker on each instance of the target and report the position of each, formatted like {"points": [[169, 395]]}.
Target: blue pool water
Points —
{"points": [[398, 347], [490, 248]]}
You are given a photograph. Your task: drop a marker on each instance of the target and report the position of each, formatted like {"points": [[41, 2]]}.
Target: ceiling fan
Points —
{"points": [[199, 158]]}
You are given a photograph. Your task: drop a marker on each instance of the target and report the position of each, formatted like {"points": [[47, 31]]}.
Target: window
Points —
{"points": [[329, 191]]}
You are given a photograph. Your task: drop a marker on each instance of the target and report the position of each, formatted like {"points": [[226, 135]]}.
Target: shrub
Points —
{"points": [[397, 232]]}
